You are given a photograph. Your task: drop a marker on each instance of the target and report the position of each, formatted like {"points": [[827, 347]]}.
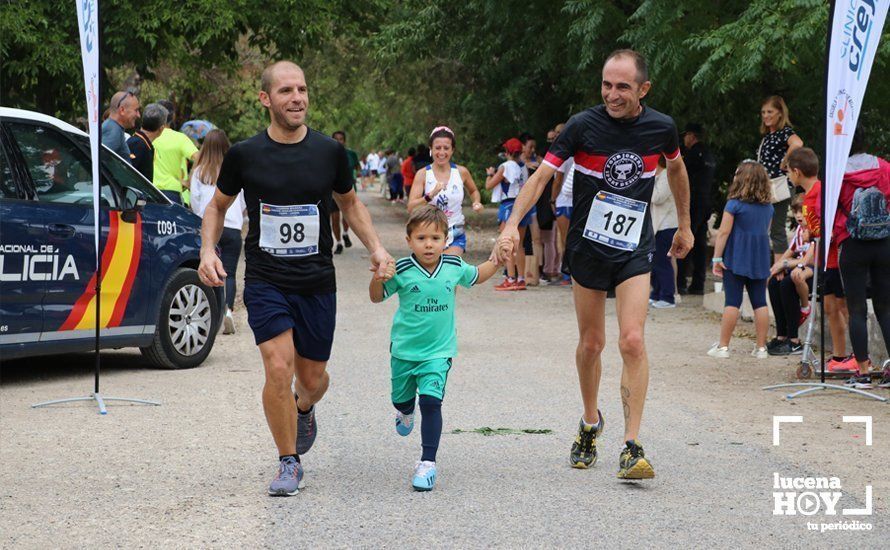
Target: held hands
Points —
{"points": [[682, 243], [507, 242], [211, 270], [383, 265]]}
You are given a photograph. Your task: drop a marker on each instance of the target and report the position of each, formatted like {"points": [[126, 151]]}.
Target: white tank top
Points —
{"points": [[515, 176], [449, 199]]}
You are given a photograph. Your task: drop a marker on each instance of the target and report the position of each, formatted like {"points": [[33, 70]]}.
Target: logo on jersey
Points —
{"points": [[449, 287], [415, 288], [623, 169]]}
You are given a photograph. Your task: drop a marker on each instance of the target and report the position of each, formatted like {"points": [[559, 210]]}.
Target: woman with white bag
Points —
{"points": [[778, 140]]}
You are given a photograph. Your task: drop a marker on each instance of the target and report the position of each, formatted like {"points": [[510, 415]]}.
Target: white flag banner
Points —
{"points": [[855, 33], [88, 24]]}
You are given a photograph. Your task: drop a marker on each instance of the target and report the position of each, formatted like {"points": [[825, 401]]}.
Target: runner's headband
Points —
{"points": [[438, 128]]}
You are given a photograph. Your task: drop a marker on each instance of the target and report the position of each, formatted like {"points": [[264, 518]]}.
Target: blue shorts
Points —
{"points": [[460, 241], [312, 318], [564, 212], [506, 208]]}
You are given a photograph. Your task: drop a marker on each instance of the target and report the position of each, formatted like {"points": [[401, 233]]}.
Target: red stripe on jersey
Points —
{"points": [[674, 155], [650, 162], [550, 158], [591, 162]]}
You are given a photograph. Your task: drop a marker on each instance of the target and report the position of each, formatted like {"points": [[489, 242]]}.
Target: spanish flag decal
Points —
{"points": [[120, 262]]}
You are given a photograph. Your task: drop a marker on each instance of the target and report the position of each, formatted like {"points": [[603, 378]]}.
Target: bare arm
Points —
{"points": [[486, 270], [211, 271], [794, 142], [360, 221], [558, 179], [678, 180], [470, 188], [376, 290], [493, 180], [720, 242]]}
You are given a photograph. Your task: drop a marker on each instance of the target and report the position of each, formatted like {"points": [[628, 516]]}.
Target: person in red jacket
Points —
{"points": [[861, 260], [408, 171]]}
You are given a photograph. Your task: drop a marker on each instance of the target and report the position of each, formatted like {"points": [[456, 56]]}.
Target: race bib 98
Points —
{"points": [[289, 231], [615, 221]]}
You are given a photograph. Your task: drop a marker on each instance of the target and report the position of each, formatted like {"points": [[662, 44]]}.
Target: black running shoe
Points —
{"points": [[633, 464], [795, 348], [307, 429], [782, 348], [584, 448], [346, 241], [339, 249], [773, 343]]}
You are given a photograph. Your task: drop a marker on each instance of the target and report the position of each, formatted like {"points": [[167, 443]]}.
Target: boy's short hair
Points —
{"points": [[805, 160], [427, 214]]}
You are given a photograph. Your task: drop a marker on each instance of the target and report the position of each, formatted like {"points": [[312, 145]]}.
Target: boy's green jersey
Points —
{"points": [[423, 326]]}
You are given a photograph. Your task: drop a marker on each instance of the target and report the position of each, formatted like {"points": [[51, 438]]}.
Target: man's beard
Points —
{"points": [[282, 121]]}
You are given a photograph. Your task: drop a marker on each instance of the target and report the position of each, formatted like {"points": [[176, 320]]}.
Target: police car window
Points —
{"points": [[127, 176], [7, 185], [59, 169]]}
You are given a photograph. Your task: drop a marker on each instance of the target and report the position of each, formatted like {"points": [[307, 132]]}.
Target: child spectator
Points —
{"points": [[423, 336], [789, 288], [742, 252], [506, 183]]}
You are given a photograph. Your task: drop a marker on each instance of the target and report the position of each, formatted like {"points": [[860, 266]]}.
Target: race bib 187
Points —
{"points": [[289, 231], [615, 221]]}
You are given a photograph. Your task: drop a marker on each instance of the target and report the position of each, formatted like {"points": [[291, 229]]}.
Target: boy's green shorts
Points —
{"points": [[424, 377]]}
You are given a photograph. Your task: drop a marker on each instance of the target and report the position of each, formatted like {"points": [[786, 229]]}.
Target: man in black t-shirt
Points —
{"points": [[289, 173], [610, 242], [700, 166]]}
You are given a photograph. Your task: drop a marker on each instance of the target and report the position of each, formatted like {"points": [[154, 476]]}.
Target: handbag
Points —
{"points": [[781, 191]]}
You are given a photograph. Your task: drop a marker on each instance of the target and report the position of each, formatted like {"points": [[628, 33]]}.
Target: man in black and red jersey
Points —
{"points": [[610, 242]]}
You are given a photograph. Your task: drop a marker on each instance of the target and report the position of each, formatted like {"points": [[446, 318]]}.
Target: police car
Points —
{"points": [[151, 295]]}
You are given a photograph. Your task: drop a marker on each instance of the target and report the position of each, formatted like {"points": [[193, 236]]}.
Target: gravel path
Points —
{"points": [[193, 472]]}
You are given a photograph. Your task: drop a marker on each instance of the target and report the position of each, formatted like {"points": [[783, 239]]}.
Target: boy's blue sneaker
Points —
{"points": [[424, 476], [289, 480], [404, 423]]}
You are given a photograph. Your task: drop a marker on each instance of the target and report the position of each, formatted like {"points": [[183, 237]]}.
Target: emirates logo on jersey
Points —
{"points": [[623, 169]]}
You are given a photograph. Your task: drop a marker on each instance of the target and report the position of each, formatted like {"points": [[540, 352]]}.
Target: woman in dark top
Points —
{"points": [[778, 140]]}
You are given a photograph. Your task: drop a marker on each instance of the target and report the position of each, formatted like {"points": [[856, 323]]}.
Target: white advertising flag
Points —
{"points": [[88, 24], [856, 30]]}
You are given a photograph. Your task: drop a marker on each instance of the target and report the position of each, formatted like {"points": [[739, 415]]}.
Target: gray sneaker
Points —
{"points": [[307, 429], [289, 480]]}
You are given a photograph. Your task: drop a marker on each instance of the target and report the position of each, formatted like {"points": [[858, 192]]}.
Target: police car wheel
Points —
{"points": [[186, 326]]}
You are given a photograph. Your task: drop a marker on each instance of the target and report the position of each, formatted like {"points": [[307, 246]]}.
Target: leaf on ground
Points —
{"points": [[485, 430]]}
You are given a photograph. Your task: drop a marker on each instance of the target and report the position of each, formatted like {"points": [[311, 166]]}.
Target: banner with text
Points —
{"points": [[88, 24]]}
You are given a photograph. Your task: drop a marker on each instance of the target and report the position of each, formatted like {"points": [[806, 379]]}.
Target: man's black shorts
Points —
{"points": [[600, 274], [833, 284]]}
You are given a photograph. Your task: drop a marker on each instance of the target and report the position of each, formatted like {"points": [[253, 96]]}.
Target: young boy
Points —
{"points": [[423, 336], [803, 171]]}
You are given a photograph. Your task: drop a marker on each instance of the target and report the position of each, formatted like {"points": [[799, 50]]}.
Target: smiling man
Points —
{"points": [[289, 174], [616, 147]]}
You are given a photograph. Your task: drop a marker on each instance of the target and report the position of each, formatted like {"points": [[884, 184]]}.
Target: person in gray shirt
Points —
{"points": [[123, 112]]}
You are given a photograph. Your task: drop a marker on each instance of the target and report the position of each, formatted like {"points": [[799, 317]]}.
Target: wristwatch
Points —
{"points": [[784, 264]]}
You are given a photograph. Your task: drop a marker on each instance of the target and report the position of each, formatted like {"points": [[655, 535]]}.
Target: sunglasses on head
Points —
{"points": [[123, 98]]}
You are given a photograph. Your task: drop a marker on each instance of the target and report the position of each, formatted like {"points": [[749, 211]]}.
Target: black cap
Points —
{"points": [[695, 128]]}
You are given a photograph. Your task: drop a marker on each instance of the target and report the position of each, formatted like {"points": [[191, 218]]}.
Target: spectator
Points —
{"points": [[173, 151], [534, 246], [338, 221], [142, 152], [803, 169], [789, 288], [563, 182], [408, 171], [122, 115], [371, 166], [700, 165], [506, 182], [778, 140], [203, 187], [664, 223], [862, 230], [394, 177], [741, 252]]}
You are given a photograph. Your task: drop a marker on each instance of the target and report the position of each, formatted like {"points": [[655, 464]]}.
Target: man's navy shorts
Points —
{"points": [[312, 318]]}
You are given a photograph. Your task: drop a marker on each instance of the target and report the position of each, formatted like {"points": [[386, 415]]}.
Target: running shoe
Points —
{"points": [[796, 348], [773, 343], [289, 480], [885, 376], [846, 365], [782, 347], [339, 249], [424, 476], [859, 381], [760, 353], [632, 463], [506, 285], [404, 423], [346, 241], [662, 304], [719, 352], [228, 323], [583, 454], [307, 429], [520, 285], [804, 315]]}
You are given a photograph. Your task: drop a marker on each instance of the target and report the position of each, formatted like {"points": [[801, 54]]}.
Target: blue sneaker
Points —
{"points": [[289, 480], [424, 476], [404, 423]]}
